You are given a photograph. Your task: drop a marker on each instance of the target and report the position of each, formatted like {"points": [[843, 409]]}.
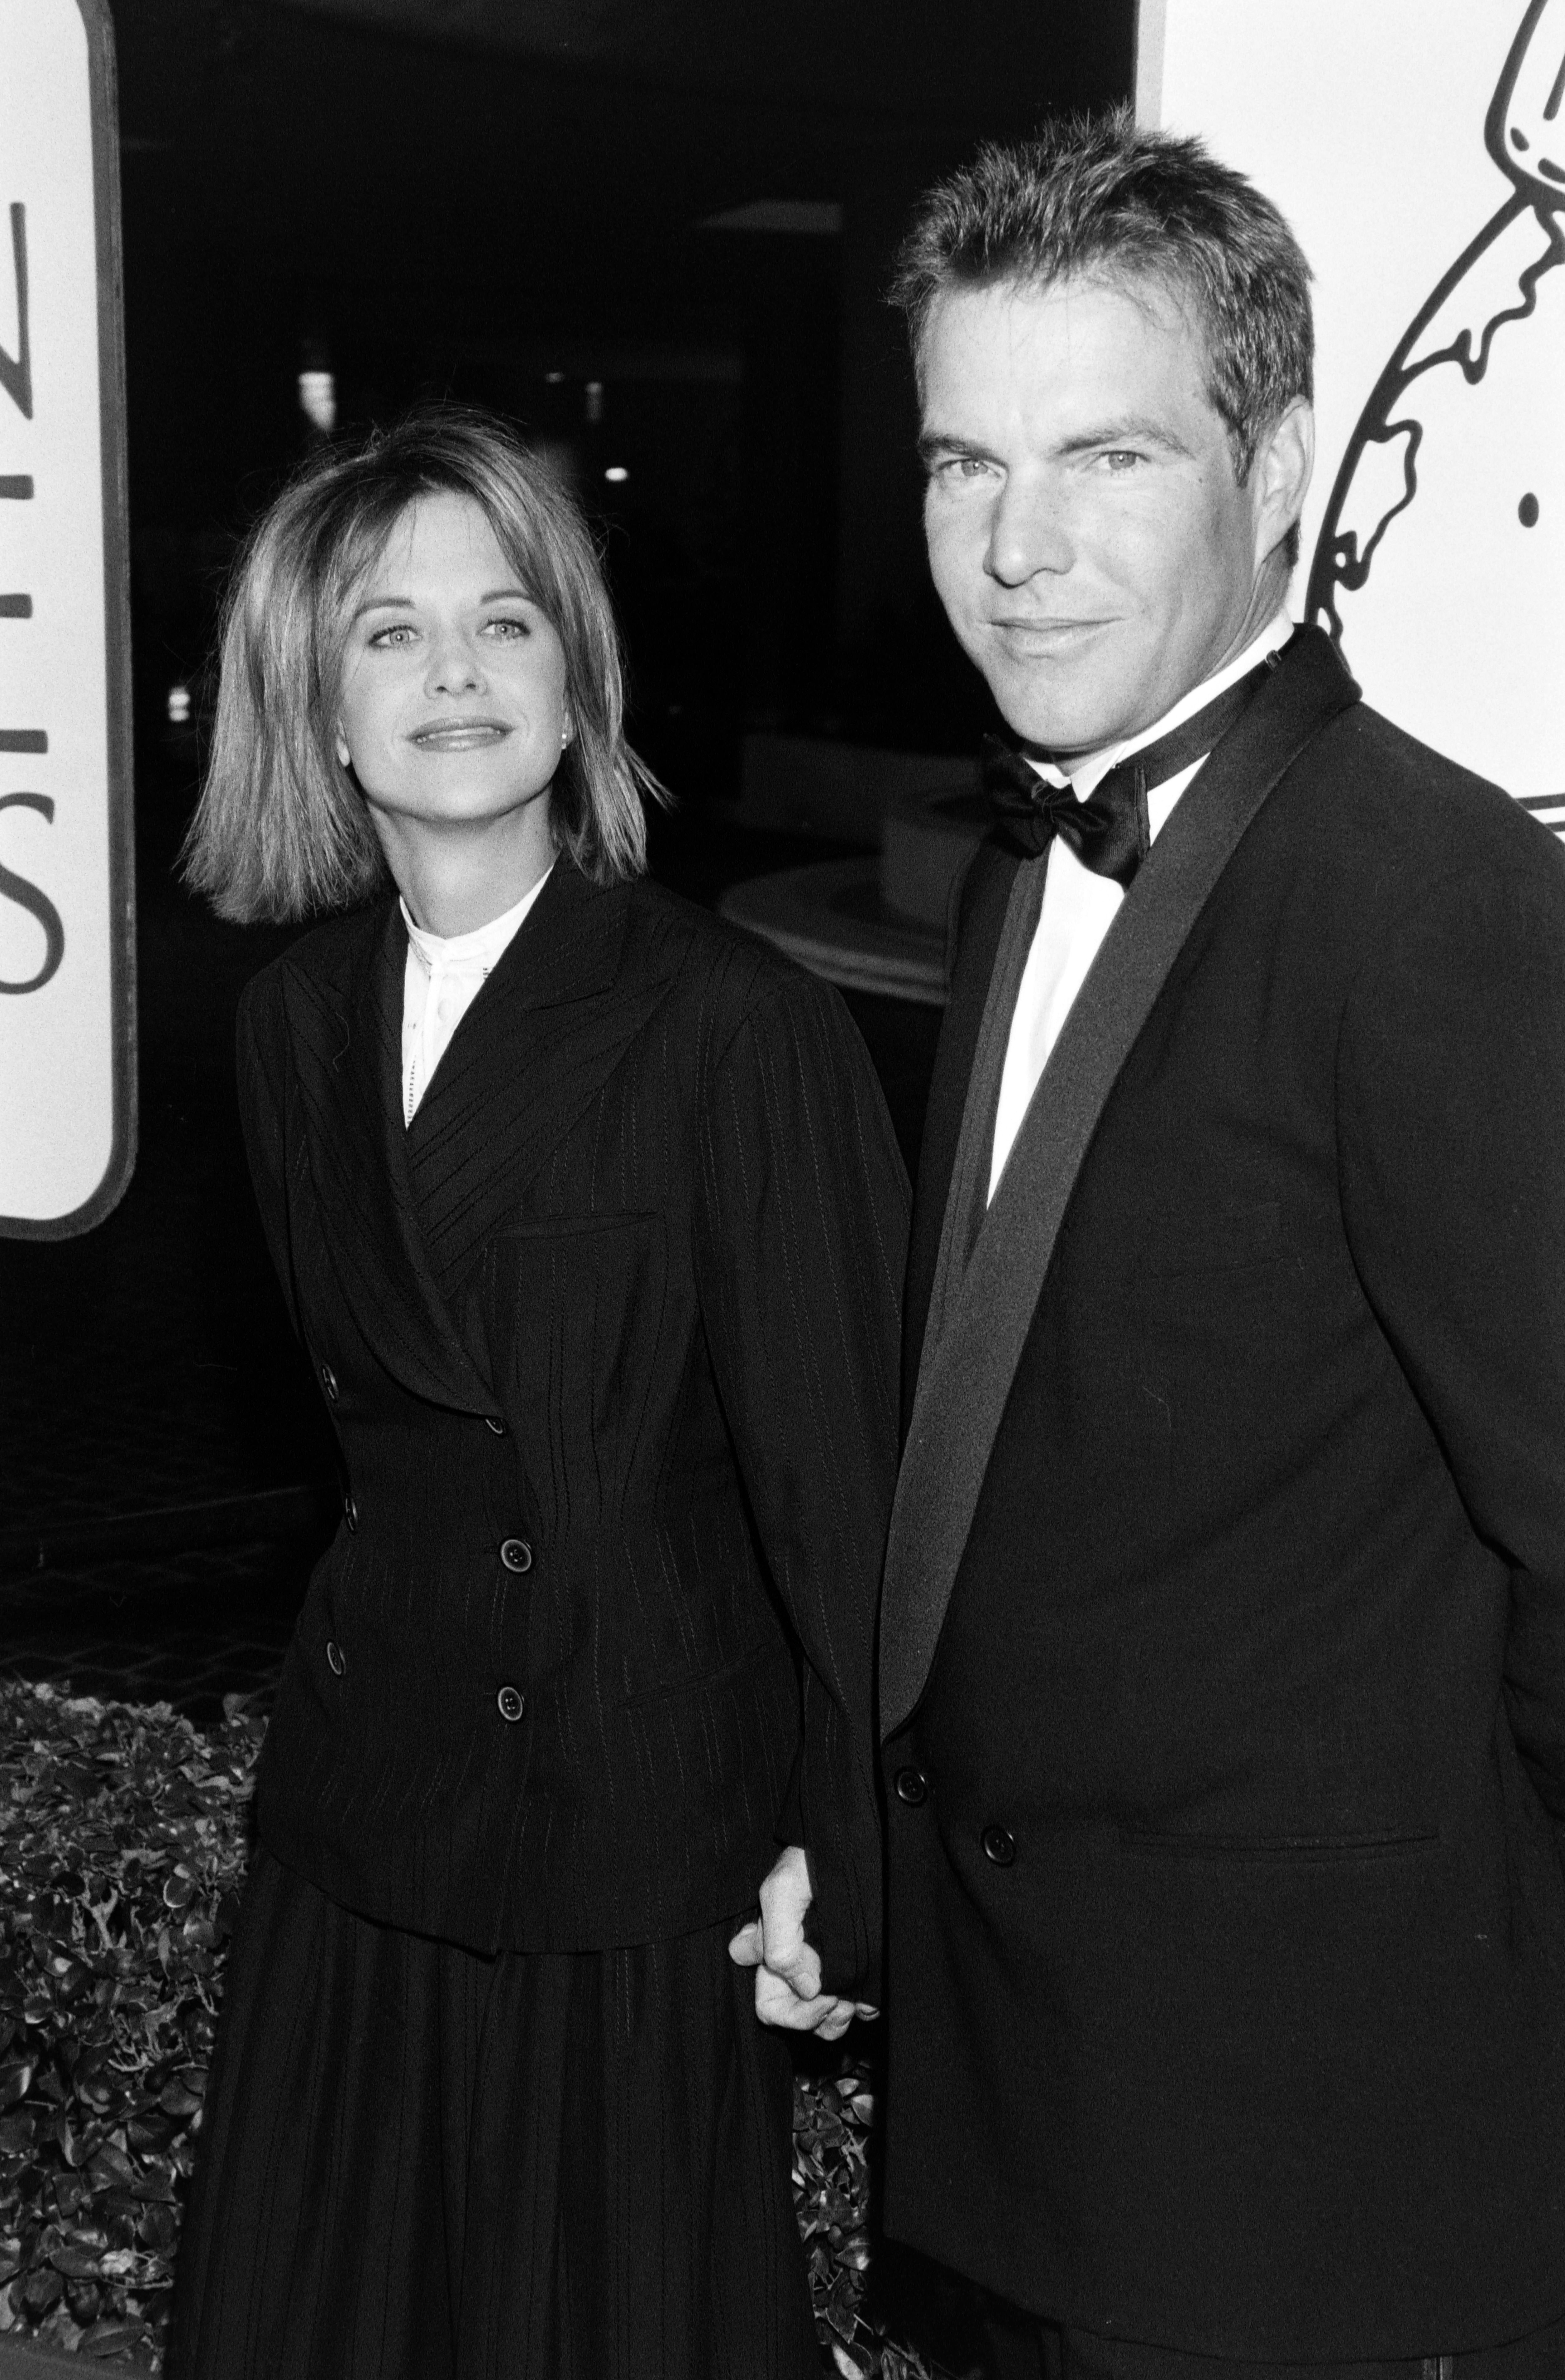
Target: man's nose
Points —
{"points": [[1028, 533], [455, 666]]}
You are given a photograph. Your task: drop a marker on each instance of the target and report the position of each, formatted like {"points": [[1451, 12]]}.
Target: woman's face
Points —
{"points": [[453, 708]]}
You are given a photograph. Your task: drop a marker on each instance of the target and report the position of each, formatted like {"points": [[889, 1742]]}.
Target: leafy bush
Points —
{"points": [[122, 1849]]}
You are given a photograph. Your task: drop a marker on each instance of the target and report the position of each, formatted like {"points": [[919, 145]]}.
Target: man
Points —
{"points": [[1223, 1640]]}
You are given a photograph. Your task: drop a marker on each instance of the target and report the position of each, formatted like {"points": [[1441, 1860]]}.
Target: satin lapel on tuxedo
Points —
{"points": [[982, 912], [964, 1384], [347, 1035], [529, 1056]]}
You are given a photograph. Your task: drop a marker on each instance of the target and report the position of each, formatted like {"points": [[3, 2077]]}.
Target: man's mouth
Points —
{"points": [[1042, 635]]}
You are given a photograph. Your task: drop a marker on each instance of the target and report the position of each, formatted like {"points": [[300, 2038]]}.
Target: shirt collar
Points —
{"points": [[1095, 767], [480, 947]]}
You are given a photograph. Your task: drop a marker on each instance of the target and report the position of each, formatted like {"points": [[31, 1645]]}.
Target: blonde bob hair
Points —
{"points": [[281, 828]]}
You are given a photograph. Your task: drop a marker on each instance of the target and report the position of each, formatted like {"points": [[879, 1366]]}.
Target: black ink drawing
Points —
{"points": [[1442, 554]]}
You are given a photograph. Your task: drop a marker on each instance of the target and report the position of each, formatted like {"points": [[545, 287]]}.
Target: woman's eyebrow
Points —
{"points": [[405, 602]]}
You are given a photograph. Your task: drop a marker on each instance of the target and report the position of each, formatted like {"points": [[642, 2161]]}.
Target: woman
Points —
{"points": [[590, 1217]]}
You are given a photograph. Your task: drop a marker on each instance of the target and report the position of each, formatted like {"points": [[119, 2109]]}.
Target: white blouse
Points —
{"points": [[440, 983]]}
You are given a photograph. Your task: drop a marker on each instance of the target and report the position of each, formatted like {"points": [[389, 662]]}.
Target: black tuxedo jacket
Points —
{"points": [[609, 1340], [1223, 1660]]}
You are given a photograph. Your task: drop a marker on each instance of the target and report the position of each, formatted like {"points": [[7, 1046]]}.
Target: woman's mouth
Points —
{"points": [[458, 735]]}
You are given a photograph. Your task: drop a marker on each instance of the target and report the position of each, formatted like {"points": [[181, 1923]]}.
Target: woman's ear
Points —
{"points": [[339, 745]]}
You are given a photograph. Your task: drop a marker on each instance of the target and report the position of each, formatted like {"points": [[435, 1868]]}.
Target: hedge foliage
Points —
{"points": [[123, 1841]]}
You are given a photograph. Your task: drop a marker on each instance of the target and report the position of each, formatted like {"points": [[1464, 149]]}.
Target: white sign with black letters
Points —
{"points": [[67, 990]]}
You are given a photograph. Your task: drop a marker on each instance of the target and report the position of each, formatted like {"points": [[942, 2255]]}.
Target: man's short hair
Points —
{"points": [[1097, 196]]}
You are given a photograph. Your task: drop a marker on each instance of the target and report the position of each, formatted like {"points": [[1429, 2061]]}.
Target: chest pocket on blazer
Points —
{"points": [[576, 1323]]}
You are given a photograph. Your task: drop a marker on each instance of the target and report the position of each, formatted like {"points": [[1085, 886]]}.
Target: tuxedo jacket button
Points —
{"points": [[517, 1554], [999, 1845], [328, 1381], [510, 1703], [911, 1785], [335, 1661], [493, 1421]]}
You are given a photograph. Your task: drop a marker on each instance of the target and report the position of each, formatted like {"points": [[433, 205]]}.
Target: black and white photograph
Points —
{"points": [[782, 1189]]}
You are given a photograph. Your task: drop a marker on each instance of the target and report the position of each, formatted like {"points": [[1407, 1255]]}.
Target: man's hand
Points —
{"points": [[788, 1970]]}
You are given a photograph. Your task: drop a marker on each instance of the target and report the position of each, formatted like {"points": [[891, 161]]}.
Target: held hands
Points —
{"points": [[787, 1970]]}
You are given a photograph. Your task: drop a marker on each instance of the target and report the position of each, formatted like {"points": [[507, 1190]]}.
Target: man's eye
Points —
{"points": [[1121, 460], [962, 467]]}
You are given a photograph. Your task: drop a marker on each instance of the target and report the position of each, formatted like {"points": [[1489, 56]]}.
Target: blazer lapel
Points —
{"points": [[527, 1059], [966, 1197], [347, 1035], [985, 898], [966, 1379]]}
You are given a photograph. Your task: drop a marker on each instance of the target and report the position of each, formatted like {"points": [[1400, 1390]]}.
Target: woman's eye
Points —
{"points": [[505, 629], [399, 633]]}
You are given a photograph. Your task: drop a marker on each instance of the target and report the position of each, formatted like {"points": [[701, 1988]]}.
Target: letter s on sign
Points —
{"points": [[37, 905]]}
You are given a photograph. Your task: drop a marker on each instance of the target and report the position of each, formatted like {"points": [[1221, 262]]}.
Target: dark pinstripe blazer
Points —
{"points": [[623, 1302]]}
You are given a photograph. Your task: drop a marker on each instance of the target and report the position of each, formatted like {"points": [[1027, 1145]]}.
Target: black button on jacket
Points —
{"points": [[651, 1212]]}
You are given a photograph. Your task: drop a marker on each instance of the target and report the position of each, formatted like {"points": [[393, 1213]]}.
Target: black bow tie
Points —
{"points": [[1109, 831]]}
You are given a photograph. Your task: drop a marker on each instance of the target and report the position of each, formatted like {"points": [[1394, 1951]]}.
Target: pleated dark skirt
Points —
{"points": [[420, 2164]]}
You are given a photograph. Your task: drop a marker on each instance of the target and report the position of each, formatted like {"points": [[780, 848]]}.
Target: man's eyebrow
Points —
{"points": [[1130, 429], [945, 441]]}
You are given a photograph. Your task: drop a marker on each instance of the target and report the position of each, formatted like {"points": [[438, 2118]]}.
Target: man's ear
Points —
{"points": [[1281, 475]]}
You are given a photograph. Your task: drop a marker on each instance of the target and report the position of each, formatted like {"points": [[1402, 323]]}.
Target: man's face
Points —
{"points": [[1087, 535]]}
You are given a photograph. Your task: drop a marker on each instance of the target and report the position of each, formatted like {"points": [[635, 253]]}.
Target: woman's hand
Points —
{"points": [[788, 1968]]}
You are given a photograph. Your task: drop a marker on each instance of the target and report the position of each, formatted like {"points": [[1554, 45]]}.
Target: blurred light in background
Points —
{"points": [[178, 706], [317, 399], [554, 378], [594, 400], [616, 472]]}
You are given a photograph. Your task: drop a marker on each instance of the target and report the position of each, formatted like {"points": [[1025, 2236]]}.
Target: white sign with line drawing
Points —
{"points": [[1418, 147]]}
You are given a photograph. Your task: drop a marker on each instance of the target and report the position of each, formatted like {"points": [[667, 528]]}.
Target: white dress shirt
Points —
{"points": [[440, 983], [1078, 908]]}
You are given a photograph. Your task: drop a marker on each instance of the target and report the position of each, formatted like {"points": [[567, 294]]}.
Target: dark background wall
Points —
{"points": [[464, 196]]}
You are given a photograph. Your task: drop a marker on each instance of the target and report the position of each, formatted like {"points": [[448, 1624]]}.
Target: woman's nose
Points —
{"points": [[454, 665]]}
